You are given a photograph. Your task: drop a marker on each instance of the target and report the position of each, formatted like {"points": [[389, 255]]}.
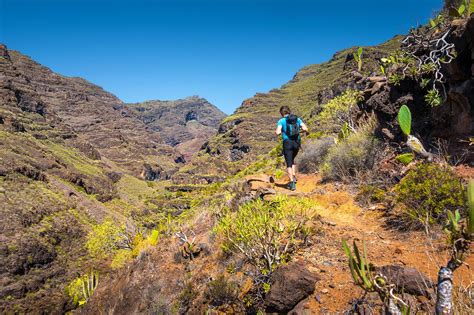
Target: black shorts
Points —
{"points": [[290, 150]]}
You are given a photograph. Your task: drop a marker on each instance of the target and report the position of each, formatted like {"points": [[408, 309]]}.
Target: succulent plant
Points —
{"points": [[404, 119], [89, 284]]}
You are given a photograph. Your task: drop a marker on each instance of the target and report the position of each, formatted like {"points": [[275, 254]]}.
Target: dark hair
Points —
{"points": [[285, 110]]}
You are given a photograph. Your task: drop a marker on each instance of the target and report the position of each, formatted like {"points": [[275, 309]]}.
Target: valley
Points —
{"points": [[173, 207]]}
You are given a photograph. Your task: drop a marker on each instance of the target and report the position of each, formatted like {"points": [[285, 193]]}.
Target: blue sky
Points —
{"points": [[225, 50]]}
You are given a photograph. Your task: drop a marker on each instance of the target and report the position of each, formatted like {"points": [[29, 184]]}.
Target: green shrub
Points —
{"points": [[265, 231], [104, 239], [369, 194], [337, 111], [352, 157], [427, 193], [186, 297]]}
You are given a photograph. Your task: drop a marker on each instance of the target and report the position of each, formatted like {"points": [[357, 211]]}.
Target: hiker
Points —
{"points": [[289, 128]]}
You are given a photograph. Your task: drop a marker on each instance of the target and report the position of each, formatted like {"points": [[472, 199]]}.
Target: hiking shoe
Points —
{"points": [[292, 186]]}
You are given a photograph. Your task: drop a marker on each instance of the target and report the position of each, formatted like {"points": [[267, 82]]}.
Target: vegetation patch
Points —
{"points": [[352, 157], [267, 232], [427, 193], [338, 111]]}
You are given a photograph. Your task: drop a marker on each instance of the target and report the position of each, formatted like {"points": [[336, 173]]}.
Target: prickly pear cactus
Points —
{"points": [[404, 119]]}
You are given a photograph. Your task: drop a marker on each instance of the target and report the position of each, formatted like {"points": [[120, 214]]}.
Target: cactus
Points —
{"points": [[470, 209], [89, 284], [404, 119], [361, 273]]}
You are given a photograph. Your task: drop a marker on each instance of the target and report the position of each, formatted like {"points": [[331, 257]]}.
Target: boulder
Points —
{"points": [[289, 285], [408, 280]]}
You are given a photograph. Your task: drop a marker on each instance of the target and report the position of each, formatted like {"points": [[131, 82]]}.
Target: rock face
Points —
{"points": [[289, 285], [184, 124], [453, 121]]}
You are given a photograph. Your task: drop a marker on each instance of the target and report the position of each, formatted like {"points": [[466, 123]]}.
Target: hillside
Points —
{"points": [[71, 156], [391, 187], [184, 124]]}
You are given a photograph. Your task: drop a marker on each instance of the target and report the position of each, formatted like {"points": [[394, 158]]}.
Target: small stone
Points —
{"points": [[325, 291], [331, 285], [377, 79]]}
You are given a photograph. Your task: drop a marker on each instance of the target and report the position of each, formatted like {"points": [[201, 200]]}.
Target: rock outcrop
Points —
{"points": [[289, 285]]}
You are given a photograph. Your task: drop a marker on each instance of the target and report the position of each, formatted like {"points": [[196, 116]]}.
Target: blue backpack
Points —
{"points": [[292, 129]]}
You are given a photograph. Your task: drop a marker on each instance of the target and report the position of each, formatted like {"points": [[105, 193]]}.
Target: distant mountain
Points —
{"points": [[185, 124], [50, 106]]}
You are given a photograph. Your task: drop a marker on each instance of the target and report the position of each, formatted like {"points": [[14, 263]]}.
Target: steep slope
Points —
{"points": [[71, 156], [184, 124], [248, 133], [89, 116]]}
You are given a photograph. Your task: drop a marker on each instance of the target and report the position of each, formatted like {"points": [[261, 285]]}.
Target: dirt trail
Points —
{"points": [[343, 218]]}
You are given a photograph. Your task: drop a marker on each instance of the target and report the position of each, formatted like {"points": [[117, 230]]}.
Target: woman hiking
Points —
{"points": [[289, 128]]}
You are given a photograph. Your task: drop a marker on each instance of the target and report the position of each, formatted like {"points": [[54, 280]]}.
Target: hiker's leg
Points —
{"points": [[296, 148], [289, 170], [288, 154]]}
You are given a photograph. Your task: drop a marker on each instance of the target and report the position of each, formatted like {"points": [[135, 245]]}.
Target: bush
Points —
{"points": [[338, 111], [186, 297], [427, 192], [369, 194], [221, 291], [313, 154], [265, 231], [352, 157], [104, 239]]}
